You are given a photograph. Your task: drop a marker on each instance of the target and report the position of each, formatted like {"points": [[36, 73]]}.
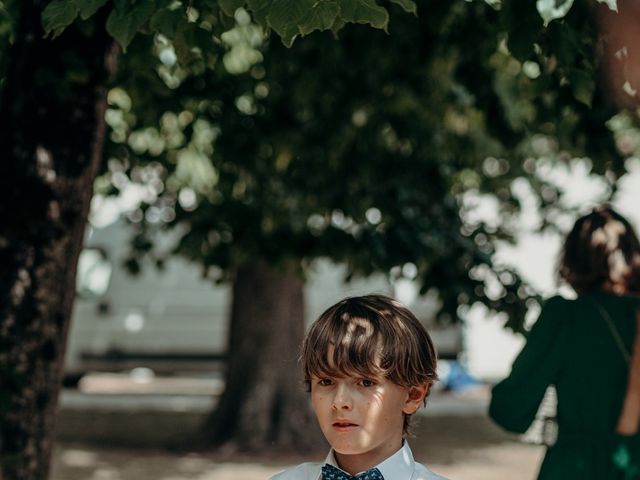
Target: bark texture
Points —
{"points": [[265, 405], [51, 135]]}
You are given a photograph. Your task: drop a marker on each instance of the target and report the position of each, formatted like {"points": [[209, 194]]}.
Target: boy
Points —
{"points": [[368, 364]]}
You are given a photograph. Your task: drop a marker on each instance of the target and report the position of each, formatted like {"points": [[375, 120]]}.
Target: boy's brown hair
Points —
{"points": [[371, 335]]}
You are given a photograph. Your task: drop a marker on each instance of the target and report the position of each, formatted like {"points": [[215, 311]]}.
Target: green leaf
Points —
{"points": [[583, 85], [121, 5], [495, 4], [166, 21], [364, 11], [230, 6], [88, 7], [259, 10], [553, 9], [321, 17], [566, 43], [58, 15], [337, 26], [408, 6], [123, 25], [612, 4], [190, 41], [285, 16], [524, 26]]}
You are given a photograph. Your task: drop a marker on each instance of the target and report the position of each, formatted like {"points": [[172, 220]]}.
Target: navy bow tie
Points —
{"points": [[329, 472]]}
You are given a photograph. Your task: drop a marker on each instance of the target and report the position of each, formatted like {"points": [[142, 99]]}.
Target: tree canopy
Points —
{"points": [[365, 150]]}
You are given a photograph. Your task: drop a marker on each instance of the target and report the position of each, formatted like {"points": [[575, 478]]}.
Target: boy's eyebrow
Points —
{"points": [[369, 375], [325, 374]]}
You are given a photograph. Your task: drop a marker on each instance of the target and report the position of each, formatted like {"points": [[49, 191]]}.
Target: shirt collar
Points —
{"points": [[400, 465]]}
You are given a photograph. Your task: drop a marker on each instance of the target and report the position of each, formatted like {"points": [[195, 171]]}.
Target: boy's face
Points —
{"points": [[363, 417]]}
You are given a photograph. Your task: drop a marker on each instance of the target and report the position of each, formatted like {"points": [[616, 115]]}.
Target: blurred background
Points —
{"points": [[147, 355], [248, 182]]}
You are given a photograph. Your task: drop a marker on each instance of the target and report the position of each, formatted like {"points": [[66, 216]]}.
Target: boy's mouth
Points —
{"points": [[343, 424]]}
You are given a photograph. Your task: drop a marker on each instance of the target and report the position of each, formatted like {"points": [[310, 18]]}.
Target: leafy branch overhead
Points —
{"points": [[558, 36], [551, 33], [288, 18]]}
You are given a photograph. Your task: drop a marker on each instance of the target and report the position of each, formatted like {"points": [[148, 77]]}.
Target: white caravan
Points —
{"points": [[174, 320]]}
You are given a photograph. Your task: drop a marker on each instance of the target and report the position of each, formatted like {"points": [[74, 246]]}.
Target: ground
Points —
{"points": [[460, 448], [113, 428]]}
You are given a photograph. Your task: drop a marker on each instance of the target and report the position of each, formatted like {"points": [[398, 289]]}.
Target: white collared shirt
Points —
{"points": [[399, 466]]}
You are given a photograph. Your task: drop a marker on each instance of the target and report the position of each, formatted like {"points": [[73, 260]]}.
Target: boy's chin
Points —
{"points": [[350, 448], [348, 452]]}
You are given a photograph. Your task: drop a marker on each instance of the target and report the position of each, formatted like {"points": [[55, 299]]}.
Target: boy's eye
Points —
{"points": [[365, 382], [325, 382]]}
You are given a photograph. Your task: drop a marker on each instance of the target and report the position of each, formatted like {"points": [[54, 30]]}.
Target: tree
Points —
{"points": [[52, 119], [269, 163], [48, 169], [618, 30]]}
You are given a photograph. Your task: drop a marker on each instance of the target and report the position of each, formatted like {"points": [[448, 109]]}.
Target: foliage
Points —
{"points": [[470, 119], [8, 10], [558, 32], [288, 18], [368, 151]]}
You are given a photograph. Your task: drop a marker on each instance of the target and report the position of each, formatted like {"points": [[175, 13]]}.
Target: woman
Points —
{"points": [[588, 349]]}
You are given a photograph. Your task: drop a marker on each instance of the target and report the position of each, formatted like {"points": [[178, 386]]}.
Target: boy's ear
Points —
{"points": [[415, 398]]}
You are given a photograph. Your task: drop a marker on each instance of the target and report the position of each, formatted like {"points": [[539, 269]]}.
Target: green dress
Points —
{"points": [[572, 347]]}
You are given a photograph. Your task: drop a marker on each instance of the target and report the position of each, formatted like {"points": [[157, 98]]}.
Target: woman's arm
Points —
{"points": [[630, 415], [516, 399]]}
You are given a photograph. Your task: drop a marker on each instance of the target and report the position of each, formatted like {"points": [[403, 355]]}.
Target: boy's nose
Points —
{"points": [[342, 399]]}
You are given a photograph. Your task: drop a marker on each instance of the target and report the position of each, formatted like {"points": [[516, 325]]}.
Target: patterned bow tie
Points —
{"points": [[329, 472]]}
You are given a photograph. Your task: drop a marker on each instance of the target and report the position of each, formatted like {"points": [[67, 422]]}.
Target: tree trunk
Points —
{"points": [[265, 405], [51, 136], [619, 52]]}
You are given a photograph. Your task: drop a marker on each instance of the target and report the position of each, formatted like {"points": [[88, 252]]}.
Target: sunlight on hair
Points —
{"points": [[618, 266], [609, 235], [354, 324]]}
